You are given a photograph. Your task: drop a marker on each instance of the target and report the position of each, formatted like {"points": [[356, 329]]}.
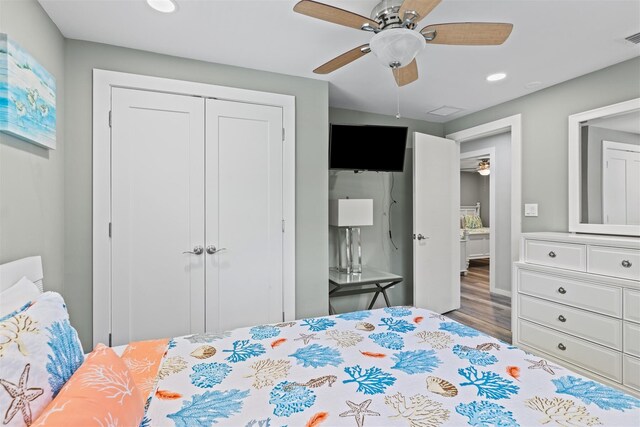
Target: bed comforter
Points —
{"points": [[396, 366]]}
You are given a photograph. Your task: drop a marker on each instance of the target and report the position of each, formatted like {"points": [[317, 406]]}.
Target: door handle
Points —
{"points": [[421, 237], [212, 250], [198, 250]]}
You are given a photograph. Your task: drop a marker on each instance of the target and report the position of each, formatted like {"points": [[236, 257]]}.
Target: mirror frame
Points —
{"points": [[575, 174]]}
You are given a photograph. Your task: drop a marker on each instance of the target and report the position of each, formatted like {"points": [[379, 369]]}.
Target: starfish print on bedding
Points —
{"points": [[359, 411], [306, 338], [544, 365], [22, 397]]}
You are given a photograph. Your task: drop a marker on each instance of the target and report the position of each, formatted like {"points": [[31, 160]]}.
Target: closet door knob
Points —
{"points": [[562, 290], [552, 254], [562, 347], [562, 318], [212, 250], [198, 250], [626, 263]]}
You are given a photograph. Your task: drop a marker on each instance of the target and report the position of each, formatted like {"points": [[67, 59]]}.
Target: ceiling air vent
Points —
{"points": [[635, 38], [444, 111]]}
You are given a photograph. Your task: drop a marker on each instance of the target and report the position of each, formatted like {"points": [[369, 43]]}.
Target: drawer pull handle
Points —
{"points": [[562, 318], [562, 347], [552, 254], [626, 263], [562, 290]]}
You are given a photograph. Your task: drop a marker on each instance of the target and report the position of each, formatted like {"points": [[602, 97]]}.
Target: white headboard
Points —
{"points": [[30, 267], [470, 210]]}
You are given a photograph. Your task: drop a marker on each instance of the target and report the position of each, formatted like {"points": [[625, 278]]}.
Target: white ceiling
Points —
{"points": [[552, 41]]}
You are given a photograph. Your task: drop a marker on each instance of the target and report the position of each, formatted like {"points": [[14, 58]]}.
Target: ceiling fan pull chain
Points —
{"points": [[395, 71]]}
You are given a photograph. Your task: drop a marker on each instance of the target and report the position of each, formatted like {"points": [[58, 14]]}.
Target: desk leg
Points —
{"points": [[384, 294], [331, 309], [373, 301]]}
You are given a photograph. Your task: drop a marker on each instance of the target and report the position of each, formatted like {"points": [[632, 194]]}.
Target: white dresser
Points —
{"points": [[576, 301]]}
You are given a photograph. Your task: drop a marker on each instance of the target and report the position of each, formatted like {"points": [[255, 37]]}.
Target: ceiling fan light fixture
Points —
{"points": [[164, 6], [397, 47], [484, 168]]}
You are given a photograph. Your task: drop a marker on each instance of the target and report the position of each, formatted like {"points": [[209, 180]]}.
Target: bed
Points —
{"points": [[397, 366], [477, 239]]}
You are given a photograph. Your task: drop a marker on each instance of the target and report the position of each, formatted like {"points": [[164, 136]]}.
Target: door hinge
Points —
{"points": [[283, 316], [109, 118], [283, 134], [283, 225], [110, 339], [110, 229]]}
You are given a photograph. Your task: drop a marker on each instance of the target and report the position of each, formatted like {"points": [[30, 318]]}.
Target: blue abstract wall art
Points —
{"points": [[27, 96]]}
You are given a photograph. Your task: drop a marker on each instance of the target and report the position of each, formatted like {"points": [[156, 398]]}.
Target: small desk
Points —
{"points": [[380, 280]]}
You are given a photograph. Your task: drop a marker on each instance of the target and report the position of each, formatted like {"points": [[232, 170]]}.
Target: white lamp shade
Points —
{"points": [[351, 212], [397, 46]]}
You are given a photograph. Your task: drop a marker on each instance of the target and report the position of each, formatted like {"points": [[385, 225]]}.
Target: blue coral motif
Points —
{"points": [[458, 329], [592, 392], [205, 409], [484, 414], [242, 351], [397, 325], [489, 384], [317, 325], [475, 357], [206, 375], [416, 362], [389, 340], [171, 344], [263, 332], [354, 315], [290, 398], [66, 355], [316, 356], [398, 311], [370, 381]]}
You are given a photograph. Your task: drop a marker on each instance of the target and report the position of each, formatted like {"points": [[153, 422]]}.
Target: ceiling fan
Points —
{"points": [[396, 42]]}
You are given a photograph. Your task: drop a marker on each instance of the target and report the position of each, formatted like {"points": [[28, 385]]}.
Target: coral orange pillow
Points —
{"points": [[101, 392]]}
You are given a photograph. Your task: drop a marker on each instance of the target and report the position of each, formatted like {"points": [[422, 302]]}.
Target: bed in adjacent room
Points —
{"points": [[399, 366], [477, 236]]}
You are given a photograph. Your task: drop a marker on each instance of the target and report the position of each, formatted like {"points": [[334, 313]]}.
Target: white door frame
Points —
{"points": [[511, 124], [490, 153], [103, 82]]}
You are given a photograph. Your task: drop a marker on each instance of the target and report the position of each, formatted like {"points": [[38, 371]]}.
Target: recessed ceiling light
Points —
{"points": [[164, 6], [495, 77]]}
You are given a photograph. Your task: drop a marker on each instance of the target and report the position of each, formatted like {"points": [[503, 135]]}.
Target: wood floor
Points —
{"points": [[486, 312]]}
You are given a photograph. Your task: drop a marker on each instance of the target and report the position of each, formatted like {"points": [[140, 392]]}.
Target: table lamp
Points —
{"points": [[349, 215]]}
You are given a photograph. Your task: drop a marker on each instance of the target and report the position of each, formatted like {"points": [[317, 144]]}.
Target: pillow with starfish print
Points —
{"points": [[39, 351]]}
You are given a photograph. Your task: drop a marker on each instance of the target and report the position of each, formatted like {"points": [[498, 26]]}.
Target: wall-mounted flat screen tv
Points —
{"points": [[367, 148]]}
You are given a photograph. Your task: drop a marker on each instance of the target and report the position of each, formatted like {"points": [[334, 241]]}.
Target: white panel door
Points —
{"points": [[157, 192], [620, 183], [244, 215], [436, 223]]}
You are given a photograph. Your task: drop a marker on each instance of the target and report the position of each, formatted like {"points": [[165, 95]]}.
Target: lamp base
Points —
{"points": [[352, 261]]}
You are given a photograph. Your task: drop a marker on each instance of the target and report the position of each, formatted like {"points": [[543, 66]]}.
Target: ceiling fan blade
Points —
{"points": [[468, 33], [333, 14], [406, 74], [420, 7], [342, 60]]}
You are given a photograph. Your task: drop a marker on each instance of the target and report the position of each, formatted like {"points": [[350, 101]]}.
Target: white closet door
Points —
{"points": [[436, 223], [157, 213], [620, 183], [244, 215]]}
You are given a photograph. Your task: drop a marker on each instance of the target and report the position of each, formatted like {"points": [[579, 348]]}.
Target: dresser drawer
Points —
{"points": [[570, 256], [589, 296], [632, 305], [600, 360], [593, 327], [631, 338], [631, 374], [616, 262]]}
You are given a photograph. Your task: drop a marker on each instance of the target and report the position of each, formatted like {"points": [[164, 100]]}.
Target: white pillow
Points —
{"points": [[17, 296]]}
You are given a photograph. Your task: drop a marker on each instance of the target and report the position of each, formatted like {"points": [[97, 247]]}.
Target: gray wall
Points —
{"points": [[378, 252], [593, 174], [501, 173], [32, 178], [544, 134], [474, 188], [311, 164]]}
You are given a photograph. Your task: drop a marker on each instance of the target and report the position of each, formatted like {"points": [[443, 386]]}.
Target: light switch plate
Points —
{"points": [[530, 209]]}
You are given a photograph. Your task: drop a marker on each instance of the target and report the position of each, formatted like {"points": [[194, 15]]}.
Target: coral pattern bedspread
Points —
{"points": [[390, 367]]}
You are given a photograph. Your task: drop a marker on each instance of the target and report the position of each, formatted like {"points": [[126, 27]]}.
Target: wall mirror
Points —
{"points": [[604, 170]]}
